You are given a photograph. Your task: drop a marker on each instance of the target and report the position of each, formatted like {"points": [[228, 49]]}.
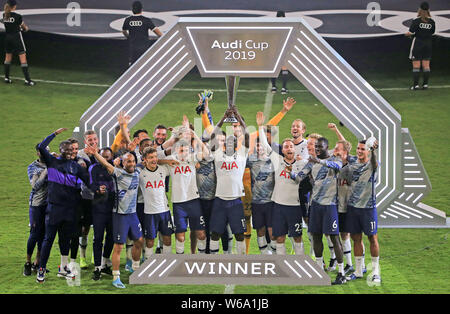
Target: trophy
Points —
{"points": [[232, 83]]}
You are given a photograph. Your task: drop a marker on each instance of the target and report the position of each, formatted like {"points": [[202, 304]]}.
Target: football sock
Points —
{"points": [[284, 77], [129, 246], [311, 242], [148, 252], [179, 247], [359, 261], [135, 265], [240, 247], [298, 248], [416, 75], [274, 81], [83, 245], [7, 66], [64, 259], [262, 244], [106, 261], [376, 265], [201, 246], [116, 274], [341, 268], [347, 248], [167, 249], [25, 71], [426, 76], [281, 249], [319, 261], [364, 256], [214, 246], [273, 246]]}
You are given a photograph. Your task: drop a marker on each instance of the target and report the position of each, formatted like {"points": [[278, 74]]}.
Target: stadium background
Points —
{"points": [[408, 257]]}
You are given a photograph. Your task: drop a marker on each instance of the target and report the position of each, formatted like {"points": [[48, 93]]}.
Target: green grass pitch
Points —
{"points": [[411, 260]]}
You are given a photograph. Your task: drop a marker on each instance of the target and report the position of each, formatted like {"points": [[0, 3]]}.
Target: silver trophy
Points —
{"points": [[232, 83]]}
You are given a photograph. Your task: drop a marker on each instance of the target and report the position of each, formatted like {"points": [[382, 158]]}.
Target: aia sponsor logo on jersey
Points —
{"points": [[229, 166], [155, 184], [285, 174], [182, 170]]}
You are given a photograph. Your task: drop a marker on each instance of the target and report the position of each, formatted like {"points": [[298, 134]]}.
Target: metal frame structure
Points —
{"points": [[403, 181]]}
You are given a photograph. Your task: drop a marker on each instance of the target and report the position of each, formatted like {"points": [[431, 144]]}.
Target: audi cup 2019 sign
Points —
{"points": [[259, 47]]}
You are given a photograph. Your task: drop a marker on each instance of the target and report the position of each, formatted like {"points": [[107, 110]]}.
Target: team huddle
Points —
{"points": [[223, 184]]}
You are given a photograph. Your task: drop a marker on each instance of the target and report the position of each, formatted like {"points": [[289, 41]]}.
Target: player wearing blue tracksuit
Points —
{"points": [[64, 176], [102, 208]]}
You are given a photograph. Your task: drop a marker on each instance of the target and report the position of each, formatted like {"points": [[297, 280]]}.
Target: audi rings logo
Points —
{"points": [[382, 22], [135, 23], [425, 25]]}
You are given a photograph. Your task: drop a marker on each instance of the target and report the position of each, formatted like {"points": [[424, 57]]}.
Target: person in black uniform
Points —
{"points": [[284, 71], [421, 30], [135, 28], [14, 41]]}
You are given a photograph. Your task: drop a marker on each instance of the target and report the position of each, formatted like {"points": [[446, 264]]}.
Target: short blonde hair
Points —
{"points": [[346, 144], [315, 136]]}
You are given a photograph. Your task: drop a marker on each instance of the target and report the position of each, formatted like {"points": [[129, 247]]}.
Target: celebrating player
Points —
{"points": [[229, 166], [156, 207], [102, 208], [286, 213], [14, 26], [37, 174], [125, 220], [362, 212], [63, 175], [323, 213]]}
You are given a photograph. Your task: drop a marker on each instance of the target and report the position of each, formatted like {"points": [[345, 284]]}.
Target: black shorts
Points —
{"points": [[420, 50], [136, 51], [14, 43]]}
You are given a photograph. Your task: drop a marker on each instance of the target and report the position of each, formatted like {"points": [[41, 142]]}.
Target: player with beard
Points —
{"points": [[63, 176], [324, 170], [125, 221], [102, 208], [286, 213]]}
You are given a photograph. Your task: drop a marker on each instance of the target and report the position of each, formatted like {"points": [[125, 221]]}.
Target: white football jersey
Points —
{"points": [[153, 187], [184, 181], [285, 191], [229, 173], [302, 149]]}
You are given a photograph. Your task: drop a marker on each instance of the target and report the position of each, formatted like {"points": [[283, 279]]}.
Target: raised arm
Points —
{"points": [[123, 120], [373, 156], [334, 128], [94, 151], [262, 132], [43, 145]]}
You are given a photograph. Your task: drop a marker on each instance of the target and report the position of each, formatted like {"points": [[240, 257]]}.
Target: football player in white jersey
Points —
{"points": [[298, 129], [286, 213], [185, 196], [152, 183], [230, 161]]}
